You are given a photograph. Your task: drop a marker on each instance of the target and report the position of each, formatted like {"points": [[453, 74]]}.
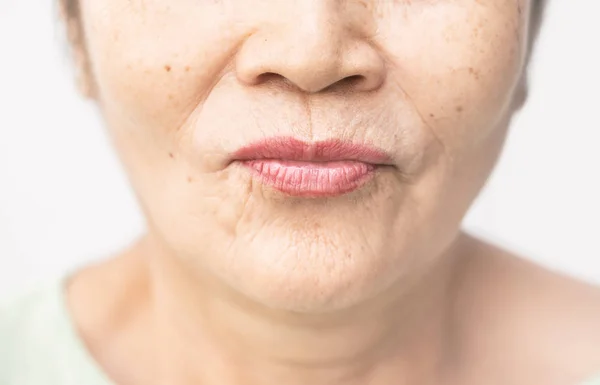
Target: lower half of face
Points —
{"points": [[310, 154]]}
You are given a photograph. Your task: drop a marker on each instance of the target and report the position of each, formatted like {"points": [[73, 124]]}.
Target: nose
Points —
{"points": [[319, 46]]}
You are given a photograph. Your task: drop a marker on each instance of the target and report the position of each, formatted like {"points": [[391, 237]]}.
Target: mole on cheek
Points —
{"points": [[171, 155], [168, 68]]}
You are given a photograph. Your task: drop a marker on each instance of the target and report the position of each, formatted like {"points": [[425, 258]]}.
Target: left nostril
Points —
{"points": [[347, 83], [352, 80]]}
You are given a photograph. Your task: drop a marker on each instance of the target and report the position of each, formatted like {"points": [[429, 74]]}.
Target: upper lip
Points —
{"points": [[287, 148]]}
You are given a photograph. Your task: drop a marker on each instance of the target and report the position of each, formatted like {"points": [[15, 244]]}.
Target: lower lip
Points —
{"points": [[311, 179]]}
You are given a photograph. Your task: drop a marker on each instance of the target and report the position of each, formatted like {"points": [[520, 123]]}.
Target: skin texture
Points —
{"points": [[176, 111], [377, 286]]}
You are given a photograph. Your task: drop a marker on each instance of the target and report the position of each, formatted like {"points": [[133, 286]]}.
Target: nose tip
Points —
{"points": [[312, 59]]}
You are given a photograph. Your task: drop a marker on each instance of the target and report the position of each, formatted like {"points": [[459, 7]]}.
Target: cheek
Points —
{"points": [[462, 71], [154, 64]]}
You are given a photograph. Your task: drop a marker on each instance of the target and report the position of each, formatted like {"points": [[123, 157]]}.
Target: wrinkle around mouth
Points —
{"points": [[224, 67]]}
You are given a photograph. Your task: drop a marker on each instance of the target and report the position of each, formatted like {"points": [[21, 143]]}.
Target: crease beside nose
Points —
{"points": [[311, 56]]}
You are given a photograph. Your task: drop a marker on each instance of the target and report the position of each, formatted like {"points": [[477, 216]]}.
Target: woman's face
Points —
{"points": [[426, 86]]}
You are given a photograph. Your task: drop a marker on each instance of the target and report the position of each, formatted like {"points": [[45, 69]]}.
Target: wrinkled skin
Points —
{"points": [[182, 84]]}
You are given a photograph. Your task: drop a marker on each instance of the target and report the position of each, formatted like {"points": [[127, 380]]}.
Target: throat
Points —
{"points": [[211, 335]]}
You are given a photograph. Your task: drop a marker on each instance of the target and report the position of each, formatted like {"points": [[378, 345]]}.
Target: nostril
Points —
{"points": [[348, 83], [268, 76], [352, 80], [272, 78]]}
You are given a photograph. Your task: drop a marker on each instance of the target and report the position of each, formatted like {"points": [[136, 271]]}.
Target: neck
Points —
{"points": [[400, 337]]}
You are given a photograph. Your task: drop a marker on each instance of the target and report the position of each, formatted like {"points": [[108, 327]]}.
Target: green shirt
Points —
{"points": [[40, 346]]}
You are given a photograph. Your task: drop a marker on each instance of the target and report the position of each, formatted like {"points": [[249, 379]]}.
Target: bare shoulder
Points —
{"points": [[535, 323]]}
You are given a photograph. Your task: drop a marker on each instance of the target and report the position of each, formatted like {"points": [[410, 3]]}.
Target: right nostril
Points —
{"points": [[272, 78], [267, 76]]}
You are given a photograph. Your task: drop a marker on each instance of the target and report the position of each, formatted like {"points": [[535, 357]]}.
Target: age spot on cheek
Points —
{"points": [[474, 73]]}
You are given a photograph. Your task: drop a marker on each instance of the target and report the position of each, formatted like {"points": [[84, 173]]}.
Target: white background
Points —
{"points": [[65, 202]]}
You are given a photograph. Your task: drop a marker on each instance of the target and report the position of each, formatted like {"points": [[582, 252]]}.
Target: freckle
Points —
{"points": [[459, 109], [431, 115], [171, 155], [168, 68], [170, 96], [189, 179], [187, 68]]}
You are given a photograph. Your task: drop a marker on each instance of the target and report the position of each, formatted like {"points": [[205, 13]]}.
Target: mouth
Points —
{"points": [[321, 169]]}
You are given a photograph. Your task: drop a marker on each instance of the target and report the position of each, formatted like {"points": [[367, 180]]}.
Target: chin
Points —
{"points": [[314, 256], [312, 277], [295, 254]]}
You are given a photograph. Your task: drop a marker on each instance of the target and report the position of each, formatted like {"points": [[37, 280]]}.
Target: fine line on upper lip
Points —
{"points": [[288, 148]]}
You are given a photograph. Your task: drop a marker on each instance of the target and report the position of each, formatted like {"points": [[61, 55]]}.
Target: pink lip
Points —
{"points": [[326, 168]]}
